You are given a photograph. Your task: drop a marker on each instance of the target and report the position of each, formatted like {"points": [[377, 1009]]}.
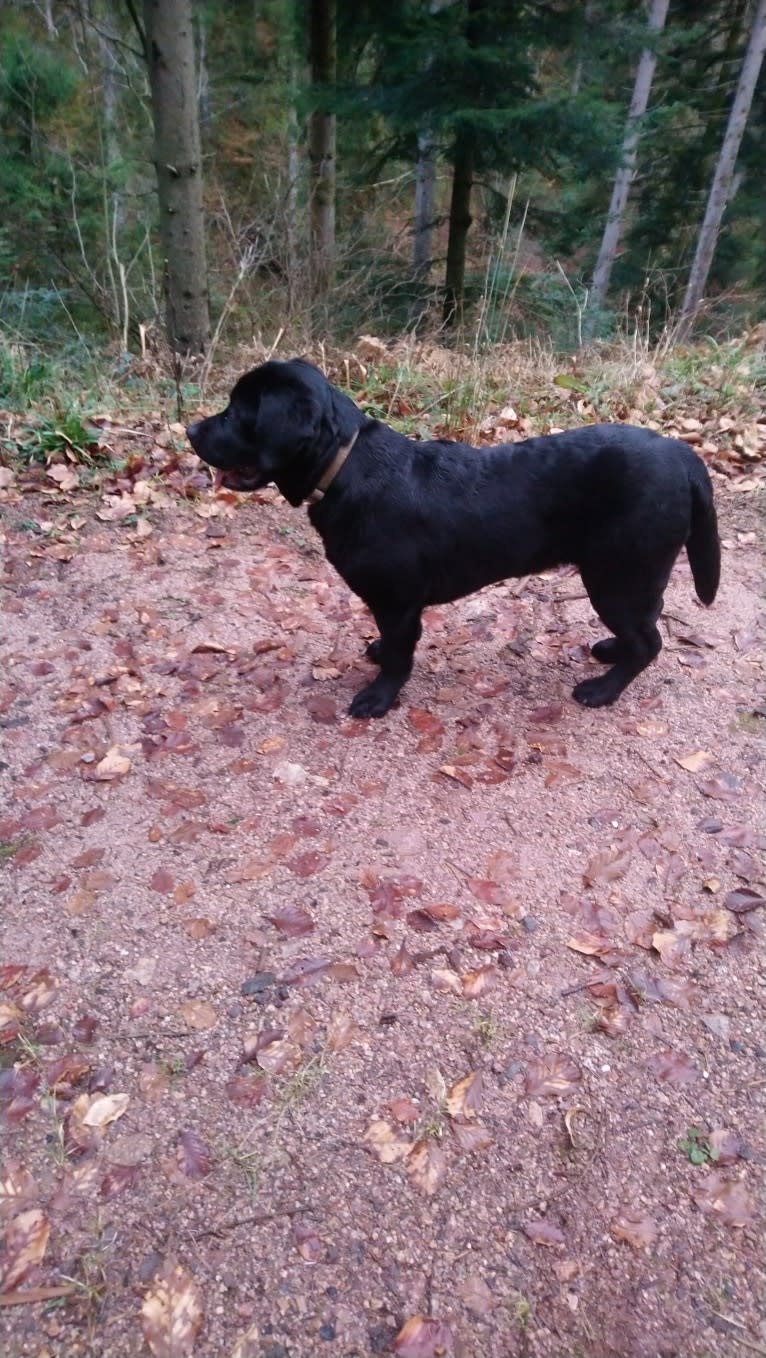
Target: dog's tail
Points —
{"points": [[703, 546]]}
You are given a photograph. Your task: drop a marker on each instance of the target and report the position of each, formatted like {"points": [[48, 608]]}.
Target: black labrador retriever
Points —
{"points": [[408, 524]]}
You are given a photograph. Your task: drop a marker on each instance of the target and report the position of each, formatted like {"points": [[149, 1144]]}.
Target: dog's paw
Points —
{"points": [[373, 652], [608, 651], [599, 692], [374, 700]]}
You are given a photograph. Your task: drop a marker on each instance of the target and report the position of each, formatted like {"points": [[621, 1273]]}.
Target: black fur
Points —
{"points": [[408, 524]]}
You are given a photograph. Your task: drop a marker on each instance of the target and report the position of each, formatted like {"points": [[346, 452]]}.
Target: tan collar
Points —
{"points": [[332, 471]]}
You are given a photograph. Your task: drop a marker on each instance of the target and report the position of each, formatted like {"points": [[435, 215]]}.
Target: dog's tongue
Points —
{"points": [[217, 479]]}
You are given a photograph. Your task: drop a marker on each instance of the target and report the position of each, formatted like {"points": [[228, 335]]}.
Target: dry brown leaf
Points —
{"points": [[472, 1136], [475, 1294], [695, 761], [727, 1199], [198, 1014], [386, 1142], [341, 1032], [636, 1228], [464, 1097], [544, 1233], [105, 1108], [114, 764], [16, 1185], [403, 1110], [552, 1075], [436, 1085], [423, 1337], [477, 983], [249, 1344], [171, 1313], [673, 1067], [607, 866], [278, 1056], [442, 978], [25, 1242], [426, 1166]]}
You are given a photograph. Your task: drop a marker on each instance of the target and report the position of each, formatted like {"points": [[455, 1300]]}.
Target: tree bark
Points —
{"points": [[425, 185], [627, 170], [459, 225], [723, 178], [178, 162], [321, 143]]}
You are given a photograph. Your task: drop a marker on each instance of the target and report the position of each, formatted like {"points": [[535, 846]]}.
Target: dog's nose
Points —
{"points": [[192, 431]]}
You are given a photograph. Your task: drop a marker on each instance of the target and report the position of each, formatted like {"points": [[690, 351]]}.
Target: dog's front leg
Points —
{"points": [[399, 635]]}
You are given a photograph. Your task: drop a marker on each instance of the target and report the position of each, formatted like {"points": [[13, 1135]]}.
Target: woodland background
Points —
{"points": [[421, 165]]}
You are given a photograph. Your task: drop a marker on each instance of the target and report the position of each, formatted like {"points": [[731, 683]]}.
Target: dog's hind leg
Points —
{"points": [[631, 613], [394, 652]]}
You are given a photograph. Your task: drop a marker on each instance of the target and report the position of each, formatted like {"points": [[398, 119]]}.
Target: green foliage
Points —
{"points": [[696, 1147], [65, 433]]}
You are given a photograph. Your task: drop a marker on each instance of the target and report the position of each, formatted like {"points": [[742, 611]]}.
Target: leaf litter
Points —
{"points": [[515, 1048]]}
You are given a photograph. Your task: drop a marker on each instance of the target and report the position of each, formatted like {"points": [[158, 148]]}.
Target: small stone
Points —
{"points": [[327, 1332], [256, 985], [736, 1046], [530, 923]]}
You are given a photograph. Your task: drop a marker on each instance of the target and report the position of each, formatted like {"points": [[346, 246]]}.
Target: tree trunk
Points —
{"points": [[321, 140], [177, 158], [723, 179], [626, 172], [425, 185], [459, 224]]}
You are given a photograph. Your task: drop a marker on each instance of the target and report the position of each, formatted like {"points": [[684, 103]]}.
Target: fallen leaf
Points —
{"points": [[722, 788], [727, 1199], [198, 1014], [426, 1166], [25, 1242], [113, 765], [635, 1227], [477, 983], [743, 899], [694, 762], [544, 1233], [16, 1185], [193, 1156], [423, 1337], [292, 921], [199, 927], [249, 1344], [171, 1314], [104, 1109], [279, 1055], [464, 1097], [309, 1244], [403, 1110], [725, 1145], [607, 866], [553, 1075], [386, 1142], [341, 1032], [673, 1067], [447, 981], [472, 1136]]}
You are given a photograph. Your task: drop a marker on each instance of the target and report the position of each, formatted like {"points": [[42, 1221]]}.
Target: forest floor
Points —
{"points": [[435, 1035]]}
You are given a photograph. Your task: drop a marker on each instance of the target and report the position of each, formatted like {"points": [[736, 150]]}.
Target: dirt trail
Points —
{"points": [[287, 938]]}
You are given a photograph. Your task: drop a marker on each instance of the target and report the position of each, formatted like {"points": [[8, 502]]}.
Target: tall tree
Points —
{"points": [[169, 46], [627, 169], [322, 142], [723, 178]]}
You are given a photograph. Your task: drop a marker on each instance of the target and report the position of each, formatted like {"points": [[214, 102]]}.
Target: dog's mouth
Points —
{"points": [[231, 480]]}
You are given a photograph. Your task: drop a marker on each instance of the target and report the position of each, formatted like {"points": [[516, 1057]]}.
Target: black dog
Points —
{"points": [[409, 524]]}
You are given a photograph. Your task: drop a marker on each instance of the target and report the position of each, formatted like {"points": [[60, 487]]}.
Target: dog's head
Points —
{"points": [[284, 423]]}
